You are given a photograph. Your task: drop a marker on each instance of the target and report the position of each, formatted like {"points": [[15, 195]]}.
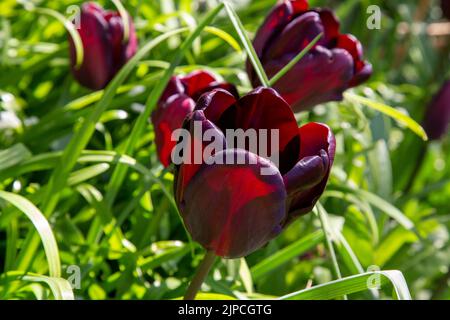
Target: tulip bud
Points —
{"points": [[105, 49], [332, 66], [437, 116]]}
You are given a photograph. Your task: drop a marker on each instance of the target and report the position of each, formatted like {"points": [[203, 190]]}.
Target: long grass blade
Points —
{"points": [[337, 288], [42, 227], [248, 46], [389, 111]]}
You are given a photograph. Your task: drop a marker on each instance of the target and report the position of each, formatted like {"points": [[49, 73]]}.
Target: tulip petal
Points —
{"points": [[232, 208], [321, 76], [95, 72], [330, 23], [437, 117], [197, 81], [166, 120], [307, 180], [296, 36], [122, 52], [215, 103], [307, 173], [362, 75], [445, 6], [194, 148], [217, 85], [174, 87], [277, 19], [264, 108], [315, 137], [352, 45]]}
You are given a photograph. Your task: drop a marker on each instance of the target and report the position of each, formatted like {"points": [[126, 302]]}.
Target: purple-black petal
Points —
{"points": [[233, 209]]}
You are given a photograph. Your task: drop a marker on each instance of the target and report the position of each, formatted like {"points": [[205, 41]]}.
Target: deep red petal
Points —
{"points": [[97, 67], [321, 76], [175, 86], [122, 52], [276, 20], [445, 6], [232, 208], [330, 23], [303, 182], [264, 108], [215, 103], [437, 117], [352, 45], [363, 73], [217, 85], [315, 137], [193, 156], [166, 119], [296, 36], [197, 81]]}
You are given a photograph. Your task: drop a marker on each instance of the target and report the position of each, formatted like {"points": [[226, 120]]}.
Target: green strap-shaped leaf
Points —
{"points": [[353, 284], [60, 288], [42, 226], [389, 111], [286, 254]]}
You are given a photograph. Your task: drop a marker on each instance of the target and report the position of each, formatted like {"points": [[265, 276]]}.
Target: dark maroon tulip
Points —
{"points": [[176, 102], [437, 117], [105, 51], [235, 209], [445, 6], [331, 67]]}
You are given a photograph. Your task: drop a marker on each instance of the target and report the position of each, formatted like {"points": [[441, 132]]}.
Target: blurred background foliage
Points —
{"points": [[387, 201]]}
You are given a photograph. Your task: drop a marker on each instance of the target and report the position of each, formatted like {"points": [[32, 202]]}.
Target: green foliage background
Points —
{"points": [[386, 207]]}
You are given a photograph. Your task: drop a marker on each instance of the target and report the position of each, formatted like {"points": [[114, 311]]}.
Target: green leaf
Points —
{"points": [[13, 156], [225, 36], [70, 27], [337, 288], [210, 296], [294, 61], [60, 288], [389, 111], [286, 254], [43, 228], [61, 173], [119, 173], [125, 19], [381, 204], [166, 256], [87, 173], [234, 18]]}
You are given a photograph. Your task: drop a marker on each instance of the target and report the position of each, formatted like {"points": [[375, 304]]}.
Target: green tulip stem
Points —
{"points": [[200, 276]]}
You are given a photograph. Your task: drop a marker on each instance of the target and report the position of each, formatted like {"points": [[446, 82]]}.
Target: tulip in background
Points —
{"points": [[334, 65], [234, 209], [105, 48], [445, 6], [437, 116], [176, 102]]}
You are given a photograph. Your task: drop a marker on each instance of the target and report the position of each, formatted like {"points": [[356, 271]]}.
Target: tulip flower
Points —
{"points": [[333, 65], [445, 6], [437, 116], [233, 208], [105, 49], [176, 102]]}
